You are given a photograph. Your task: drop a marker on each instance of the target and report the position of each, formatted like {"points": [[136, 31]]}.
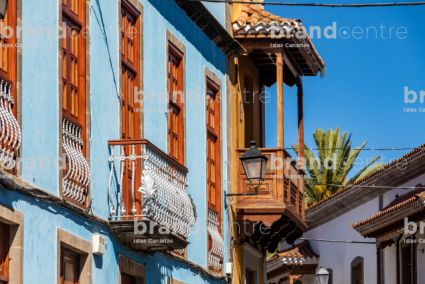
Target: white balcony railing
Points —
{"points": [[76, 180], [216, 254], [10, 137], [163, 186]]}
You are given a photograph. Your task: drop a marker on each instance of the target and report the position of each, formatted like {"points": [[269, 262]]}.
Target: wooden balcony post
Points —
{"points": [[300, 121], [279, 79]]}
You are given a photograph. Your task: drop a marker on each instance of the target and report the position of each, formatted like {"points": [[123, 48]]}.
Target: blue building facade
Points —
{"points": [[93, 98]]}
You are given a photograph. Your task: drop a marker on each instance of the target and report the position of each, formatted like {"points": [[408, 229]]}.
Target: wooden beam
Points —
{"points": [[300, 121], [306, 57], [290, 61], [378, 264], [279, 79]]}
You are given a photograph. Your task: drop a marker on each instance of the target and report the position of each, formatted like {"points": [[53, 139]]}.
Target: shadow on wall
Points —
{"points": [[182, 23]]}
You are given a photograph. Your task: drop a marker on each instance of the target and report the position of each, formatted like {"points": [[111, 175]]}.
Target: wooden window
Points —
{"points": [[176, 104], [73, 62], [127, 279], [74, 73], [69, 266], [359, 273], [4, 253], [213, 151], [249, 276], [130, 111], [213, 147]]}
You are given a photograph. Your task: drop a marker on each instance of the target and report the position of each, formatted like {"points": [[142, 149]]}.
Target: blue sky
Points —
{"points": [[363, 91]]}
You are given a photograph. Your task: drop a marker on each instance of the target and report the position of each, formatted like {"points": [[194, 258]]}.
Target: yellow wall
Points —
{"points": [[251, 115]]}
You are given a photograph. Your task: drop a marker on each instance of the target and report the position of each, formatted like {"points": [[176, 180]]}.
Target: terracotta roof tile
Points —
{"points": [[367, 177], [254, 20], [301, 250], [398, 202]]}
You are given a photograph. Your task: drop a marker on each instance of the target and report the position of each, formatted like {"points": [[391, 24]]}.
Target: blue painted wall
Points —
{"points": [[161, 15], [40, 127]]}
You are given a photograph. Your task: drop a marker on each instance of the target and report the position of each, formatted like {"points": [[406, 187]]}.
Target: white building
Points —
{"points": [[374, 217]]}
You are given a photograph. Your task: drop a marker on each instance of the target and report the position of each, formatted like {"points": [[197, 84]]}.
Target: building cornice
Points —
{"points": [[252, 250], [218, 34]]}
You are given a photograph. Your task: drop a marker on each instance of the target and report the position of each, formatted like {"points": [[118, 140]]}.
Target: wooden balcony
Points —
{"points": [[151, 193], [277, 212]]}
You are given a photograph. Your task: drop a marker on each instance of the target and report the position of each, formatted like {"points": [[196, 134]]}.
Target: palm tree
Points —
{"points": [[322, 173]]}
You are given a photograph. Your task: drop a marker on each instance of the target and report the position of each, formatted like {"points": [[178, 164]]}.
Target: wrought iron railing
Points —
{"points": [[216, 253], [77, 177], [10, 137], [163, 186]]}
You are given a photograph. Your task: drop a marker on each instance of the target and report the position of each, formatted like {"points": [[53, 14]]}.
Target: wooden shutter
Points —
{"points": [[130, 111], [69, 267], [359, 274], [127, 279], [4, 252], [175, 114]]}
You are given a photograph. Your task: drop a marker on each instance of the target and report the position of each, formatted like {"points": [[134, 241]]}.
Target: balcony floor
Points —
{"points": [[149, 242]]}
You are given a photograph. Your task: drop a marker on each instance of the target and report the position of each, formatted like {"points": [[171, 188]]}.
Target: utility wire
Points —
{"points": [[317, 4], [364, 149], [368, 186], [335, 241]]}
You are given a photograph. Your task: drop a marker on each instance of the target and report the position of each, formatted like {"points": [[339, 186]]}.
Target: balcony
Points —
{"points": [[152, 193], [277, 212]]}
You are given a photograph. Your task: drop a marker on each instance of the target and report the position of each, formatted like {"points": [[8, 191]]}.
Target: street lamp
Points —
{"points": [[3, 8], [254, 163], [322, 276]]}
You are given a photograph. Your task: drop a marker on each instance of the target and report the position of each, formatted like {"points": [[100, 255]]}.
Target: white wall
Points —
{"points": [[338, 256]]}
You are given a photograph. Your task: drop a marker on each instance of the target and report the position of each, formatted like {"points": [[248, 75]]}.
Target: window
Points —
{"points": [[4, 253], [130, 114], [249, 274], [8, 80], [213, 146], [76, 176], [176, 104], [215, 242], [406, 264], [357, 271], [128, 279], [70, 262]]}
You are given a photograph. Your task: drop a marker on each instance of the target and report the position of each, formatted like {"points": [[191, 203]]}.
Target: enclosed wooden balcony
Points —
{"points": [[150, 209], [277, 212]]}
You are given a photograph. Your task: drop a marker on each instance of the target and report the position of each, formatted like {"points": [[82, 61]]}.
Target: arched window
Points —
{"points": [[357, 271]]}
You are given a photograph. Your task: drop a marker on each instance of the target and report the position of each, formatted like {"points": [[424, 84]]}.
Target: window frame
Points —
{"points": [[130, 68], [176, 104], [354, 266], [80, 20], [213, 133]]}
